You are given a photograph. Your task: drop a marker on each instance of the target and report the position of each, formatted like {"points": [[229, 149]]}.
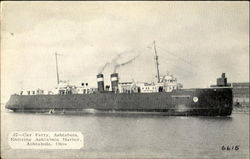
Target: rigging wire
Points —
{"points": [[176, 65], [171, 53]]}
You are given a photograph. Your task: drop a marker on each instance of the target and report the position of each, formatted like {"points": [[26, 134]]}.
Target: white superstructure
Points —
{"points": [[167, 83]]}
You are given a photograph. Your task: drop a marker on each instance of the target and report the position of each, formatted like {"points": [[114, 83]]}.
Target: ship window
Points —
{"points": [[160, 89], [139, 89], [28, 92], [33, 92], [61, 92]]}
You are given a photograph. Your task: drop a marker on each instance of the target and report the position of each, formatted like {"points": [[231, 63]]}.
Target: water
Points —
{"points": [[134, 136]]}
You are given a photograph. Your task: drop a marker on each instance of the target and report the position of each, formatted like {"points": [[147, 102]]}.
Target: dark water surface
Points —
{"points": [[134, 135]]}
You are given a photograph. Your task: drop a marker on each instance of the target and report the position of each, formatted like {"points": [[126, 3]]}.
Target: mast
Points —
{"points": [[157, 63], [57, 74]]}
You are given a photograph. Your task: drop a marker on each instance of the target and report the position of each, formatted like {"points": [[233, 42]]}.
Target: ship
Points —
{"points": [[166, 96]]}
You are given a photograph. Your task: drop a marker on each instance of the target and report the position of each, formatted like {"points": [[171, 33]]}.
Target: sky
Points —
{"points": [[195, 41]]}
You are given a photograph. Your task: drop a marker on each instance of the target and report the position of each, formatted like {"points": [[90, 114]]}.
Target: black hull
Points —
{"points": [[200, 102]]}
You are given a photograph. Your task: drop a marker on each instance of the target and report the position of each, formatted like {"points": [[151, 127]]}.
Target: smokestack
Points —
{"points": [[114, 81], [222, 81], [223, 75], [100, 82]]}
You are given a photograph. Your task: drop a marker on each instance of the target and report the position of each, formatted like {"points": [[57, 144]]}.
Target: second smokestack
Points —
{"points": [[114, 82]]}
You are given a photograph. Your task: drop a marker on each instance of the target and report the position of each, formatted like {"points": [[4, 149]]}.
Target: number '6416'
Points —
{"points": [[228, 148]]}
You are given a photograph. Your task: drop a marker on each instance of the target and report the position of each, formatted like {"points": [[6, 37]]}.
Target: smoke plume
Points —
{"points": [[114, 61], [103, 68], [124, 63]]}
